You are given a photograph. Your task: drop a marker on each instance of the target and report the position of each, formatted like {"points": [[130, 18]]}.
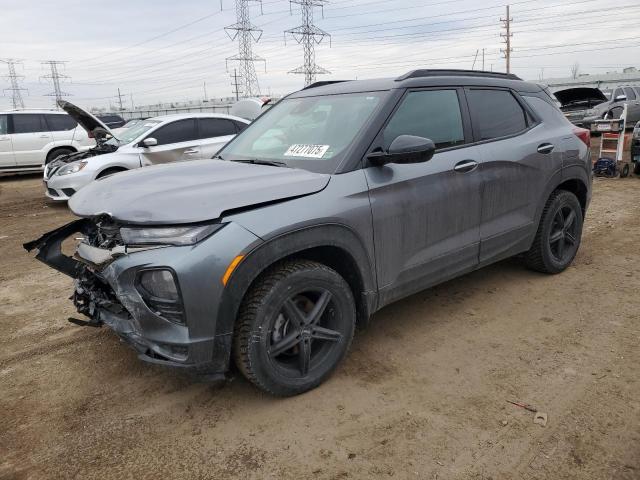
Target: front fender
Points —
{"points": [[285, 245]]}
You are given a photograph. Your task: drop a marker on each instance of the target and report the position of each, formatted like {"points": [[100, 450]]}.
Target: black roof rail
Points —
{"points": [[455, 73], [322, 83]]}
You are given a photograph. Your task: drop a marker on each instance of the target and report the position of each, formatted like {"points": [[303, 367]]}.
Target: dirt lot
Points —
{"points": [[422, 394]]}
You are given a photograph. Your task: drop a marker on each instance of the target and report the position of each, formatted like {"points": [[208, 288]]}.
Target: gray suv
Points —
{"points": [[342, 198]]}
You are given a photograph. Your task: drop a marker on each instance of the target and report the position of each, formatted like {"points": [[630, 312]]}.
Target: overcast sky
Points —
{"points": [[164, 50]]}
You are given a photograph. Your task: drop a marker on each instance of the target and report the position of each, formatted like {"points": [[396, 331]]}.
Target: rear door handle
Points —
{"points": [[546, 148], [191, 151], [466, 166]]}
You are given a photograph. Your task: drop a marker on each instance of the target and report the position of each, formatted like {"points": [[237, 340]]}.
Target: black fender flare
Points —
{"points": [[567, 174], [288, 244]]}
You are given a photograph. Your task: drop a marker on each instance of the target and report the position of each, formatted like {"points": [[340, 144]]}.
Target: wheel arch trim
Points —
{"points": [[289, 244]]}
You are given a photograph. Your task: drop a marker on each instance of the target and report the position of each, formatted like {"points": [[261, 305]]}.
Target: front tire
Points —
{"points": [[559, 234], [294, 327]]}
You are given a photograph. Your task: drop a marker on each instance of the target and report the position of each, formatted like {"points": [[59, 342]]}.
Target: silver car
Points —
{"points": [[339, 200], [154, 141]]}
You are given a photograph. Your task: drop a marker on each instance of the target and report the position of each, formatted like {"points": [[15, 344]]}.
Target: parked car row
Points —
{"points": [[157, 140], [582, 106], [339, 200], [31, 138]]}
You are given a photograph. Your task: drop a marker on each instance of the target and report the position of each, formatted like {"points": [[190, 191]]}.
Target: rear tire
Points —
{"points": [[58, 153], [559, 234], [636, 168], [624, 172], [294, 327]]}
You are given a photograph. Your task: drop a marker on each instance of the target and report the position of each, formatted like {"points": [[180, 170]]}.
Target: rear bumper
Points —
{"points": [[108, 295]]}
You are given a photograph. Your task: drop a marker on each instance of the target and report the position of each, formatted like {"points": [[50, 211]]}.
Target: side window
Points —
{"points": [[631, 95], [495, 113], [4, 124], [433, 114], [176, 132], [215, 127], [616, 93], [60, 123], [28, 123], [240, 126]]}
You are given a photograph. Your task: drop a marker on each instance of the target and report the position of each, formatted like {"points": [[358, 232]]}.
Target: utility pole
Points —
{"points": [[120, 100], [473, 67], [133, 107], [507, 38], [246, 33], [15, 89], [204, 86], [56, 79], [236, 85], [308, 35], [483, 60]]}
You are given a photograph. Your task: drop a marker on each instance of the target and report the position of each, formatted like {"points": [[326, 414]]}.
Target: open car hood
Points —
{"points": [[84, 118], [190, 192], [581, 94]]}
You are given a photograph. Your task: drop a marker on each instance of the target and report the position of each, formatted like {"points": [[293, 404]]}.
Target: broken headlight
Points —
{"points": [[189, 235], [73, 167]]}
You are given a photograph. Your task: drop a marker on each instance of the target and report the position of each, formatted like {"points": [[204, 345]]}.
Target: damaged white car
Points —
{"points": [[157, 140]]}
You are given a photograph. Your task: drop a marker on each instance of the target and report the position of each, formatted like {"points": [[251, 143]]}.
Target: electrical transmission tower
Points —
{"points": [[507, 39], [308, 35], [56, 79], [16, 95], [246, 33]]}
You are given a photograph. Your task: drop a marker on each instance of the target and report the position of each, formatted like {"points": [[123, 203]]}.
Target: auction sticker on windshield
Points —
{"points": [[308, 151]]}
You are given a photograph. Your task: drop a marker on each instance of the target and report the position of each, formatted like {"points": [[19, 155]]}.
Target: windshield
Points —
{"points": [[312, 133], [130, 134]]}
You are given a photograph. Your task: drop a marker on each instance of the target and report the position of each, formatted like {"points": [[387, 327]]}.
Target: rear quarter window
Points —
{"points": [[60, 123], [496, 113]]}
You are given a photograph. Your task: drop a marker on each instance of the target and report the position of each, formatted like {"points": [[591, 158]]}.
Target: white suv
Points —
{"points": [[30, 139]]}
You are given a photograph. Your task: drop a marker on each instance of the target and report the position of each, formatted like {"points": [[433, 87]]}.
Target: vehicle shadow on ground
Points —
{"points": [[448, 303]]}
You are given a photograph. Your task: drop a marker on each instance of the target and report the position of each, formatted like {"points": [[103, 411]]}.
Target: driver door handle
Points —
{"points": [[191, 151], [546, 148], [466, 166]]}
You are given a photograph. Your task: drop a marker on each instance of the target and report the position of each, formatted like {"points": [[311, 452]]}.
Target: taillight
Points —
{"points": [[584, 135]]}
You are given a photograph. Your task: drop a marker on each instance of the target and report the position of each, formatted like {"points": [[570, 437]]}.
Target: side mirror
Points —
{"points": [[621, 98], [405, 149], [149, 142]]}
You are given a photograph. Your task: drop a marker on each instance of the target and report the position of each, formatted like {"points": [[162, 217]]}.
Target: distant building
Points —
{"points": [[605, 82]]}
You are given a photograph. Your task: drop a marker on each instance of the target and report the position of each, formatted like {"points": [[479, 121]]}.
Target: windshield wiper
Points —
{"points": [[257, 161]]}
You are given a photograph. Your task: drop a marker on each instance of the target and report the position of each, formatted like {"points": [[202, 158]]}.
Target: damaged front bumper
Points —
{"points": [[106, 292]]}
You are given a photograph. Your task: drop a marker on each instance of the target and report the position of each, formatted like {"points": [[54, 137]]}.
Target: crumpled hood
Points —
{"points": [[191, 192]]}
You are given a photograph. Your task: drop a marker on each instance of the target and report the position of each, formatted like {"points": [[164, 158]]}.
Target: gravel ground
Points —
{"points": [[423, 393]]}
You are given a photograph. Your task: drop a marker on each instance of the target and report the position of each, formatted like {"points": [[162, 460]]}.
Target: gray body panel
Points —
{"points": [[191, 192], [390, 230]]}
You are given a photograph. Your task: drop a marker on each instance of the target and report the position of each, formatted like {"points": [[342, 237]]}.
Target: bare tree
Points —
{"points": [[575, 70]]}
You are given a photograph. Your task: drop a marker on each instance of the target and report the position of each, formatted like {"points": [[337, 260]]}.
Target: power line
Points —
{"points": [[15, 89], [308, 35], [56, 78], [246, 33]]}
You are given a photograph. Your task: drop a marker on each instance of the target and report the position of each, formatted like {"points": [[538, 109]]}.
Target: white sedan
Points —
{"points": [[157, 140]]}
